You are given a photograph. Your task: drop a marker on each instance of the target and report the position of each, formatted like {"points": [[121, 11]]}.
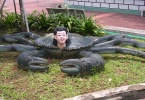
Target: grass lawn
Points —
{"points": [[16, 84]]}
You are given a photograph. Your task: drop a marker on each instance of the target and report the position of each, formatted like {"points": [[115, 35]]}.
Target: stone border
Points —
{"points": [[129, 92], [125, 30]]}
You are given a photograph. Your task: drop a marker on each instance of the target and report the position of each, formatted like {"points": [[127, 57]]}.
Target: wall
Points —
{"points": [[117, 4]]}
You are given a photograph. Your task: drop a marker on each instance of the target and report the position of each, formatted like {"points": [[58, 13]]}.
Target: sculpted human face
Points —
{"points": [[61, 38]]}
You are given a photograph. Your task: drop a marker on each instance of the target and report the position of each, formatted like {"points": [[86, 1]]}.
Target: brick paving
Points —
{"points": [[106, 19], [31, 5], [120, 20]]}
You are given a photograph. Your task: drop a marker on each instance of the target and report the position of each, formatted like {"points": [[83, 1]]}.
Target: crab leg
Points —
{"points": [[109, 37], [16, 47], [30, 35], [21, 34], [31, 60], [118, 41], [88, 64], [103, 50], [19, 38]]}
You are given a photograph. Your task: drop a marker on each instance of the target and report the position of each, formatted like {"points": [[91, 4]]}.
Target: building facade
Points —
{"points": [[116, 4]]}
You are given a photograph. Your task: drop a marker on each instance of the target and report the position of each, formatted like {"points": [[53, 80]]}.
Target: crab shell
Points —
{"points": [[78, 43]]}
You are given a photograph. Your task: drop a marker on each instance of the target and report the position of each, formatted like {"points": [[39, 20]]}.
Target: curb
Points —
{"points": [[129, 92], [125, 30]]}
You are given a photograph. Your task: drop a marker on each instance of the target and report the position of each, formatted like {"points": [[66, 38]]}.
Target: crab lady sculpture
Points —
{"points": [[84, 51]]}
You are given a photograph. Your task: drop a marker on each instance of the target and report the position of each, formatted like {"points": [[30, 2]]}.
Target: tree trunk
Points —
{"points": [[24, 21], [1, 10]]}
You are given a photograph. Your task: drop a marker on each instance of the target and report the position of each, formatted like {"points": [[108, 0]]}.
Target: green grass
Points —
{"points": [[16, 84]]}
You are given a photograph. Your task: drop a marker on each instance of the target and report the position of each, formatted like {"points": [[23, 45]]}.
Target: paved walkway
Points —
{"points": [[31, 5], [109, 19], [120, 20]]}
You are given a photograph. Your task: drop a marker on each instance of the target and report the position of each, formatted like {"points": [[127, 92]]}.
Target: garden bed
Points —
{"points": [[15, 84]]}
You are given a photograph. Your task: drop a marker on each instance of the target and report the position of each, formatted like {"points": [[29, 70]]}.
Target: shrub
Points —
{"points": [[74, 24], [87, 26], [10, 20], [32, 19], [41, 21]]}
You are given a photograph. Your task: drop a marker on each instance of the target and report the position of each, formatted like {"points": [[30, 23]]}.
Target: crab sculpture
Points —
{"points": [[82, 55]]}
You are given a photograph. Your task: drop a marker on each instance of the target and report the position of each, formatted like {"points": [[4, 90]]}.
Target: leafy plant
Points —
{"points": [[32, 19], [87, 26], [1, 23], [10, 20], [42, 21], [65, 20], [81, 25]]}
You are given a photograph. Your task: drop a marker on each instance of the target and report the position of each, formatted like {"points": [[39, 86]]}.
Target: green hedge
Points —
{"points": [[44, 22]]}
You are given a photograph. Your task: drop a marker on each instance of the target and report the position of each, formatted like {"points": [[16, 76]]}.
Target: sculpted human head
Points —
{"points": [[60, 37]]}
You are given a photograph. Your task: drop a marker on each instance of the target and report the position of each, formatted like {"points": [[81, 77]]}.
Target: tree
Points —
{"points": [[24, 21], [1, 10]]}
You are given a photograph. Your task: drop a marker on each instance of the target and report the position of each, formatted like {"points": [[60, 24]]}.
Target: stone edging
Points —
{"points": [[129, 92], [125, 30]]}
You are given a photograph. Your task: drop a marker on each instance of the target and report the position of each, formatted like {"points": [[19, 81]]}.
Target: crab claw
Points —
{"points": [[82, 66], [38, 64], [29, 61], [71, 66]]}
